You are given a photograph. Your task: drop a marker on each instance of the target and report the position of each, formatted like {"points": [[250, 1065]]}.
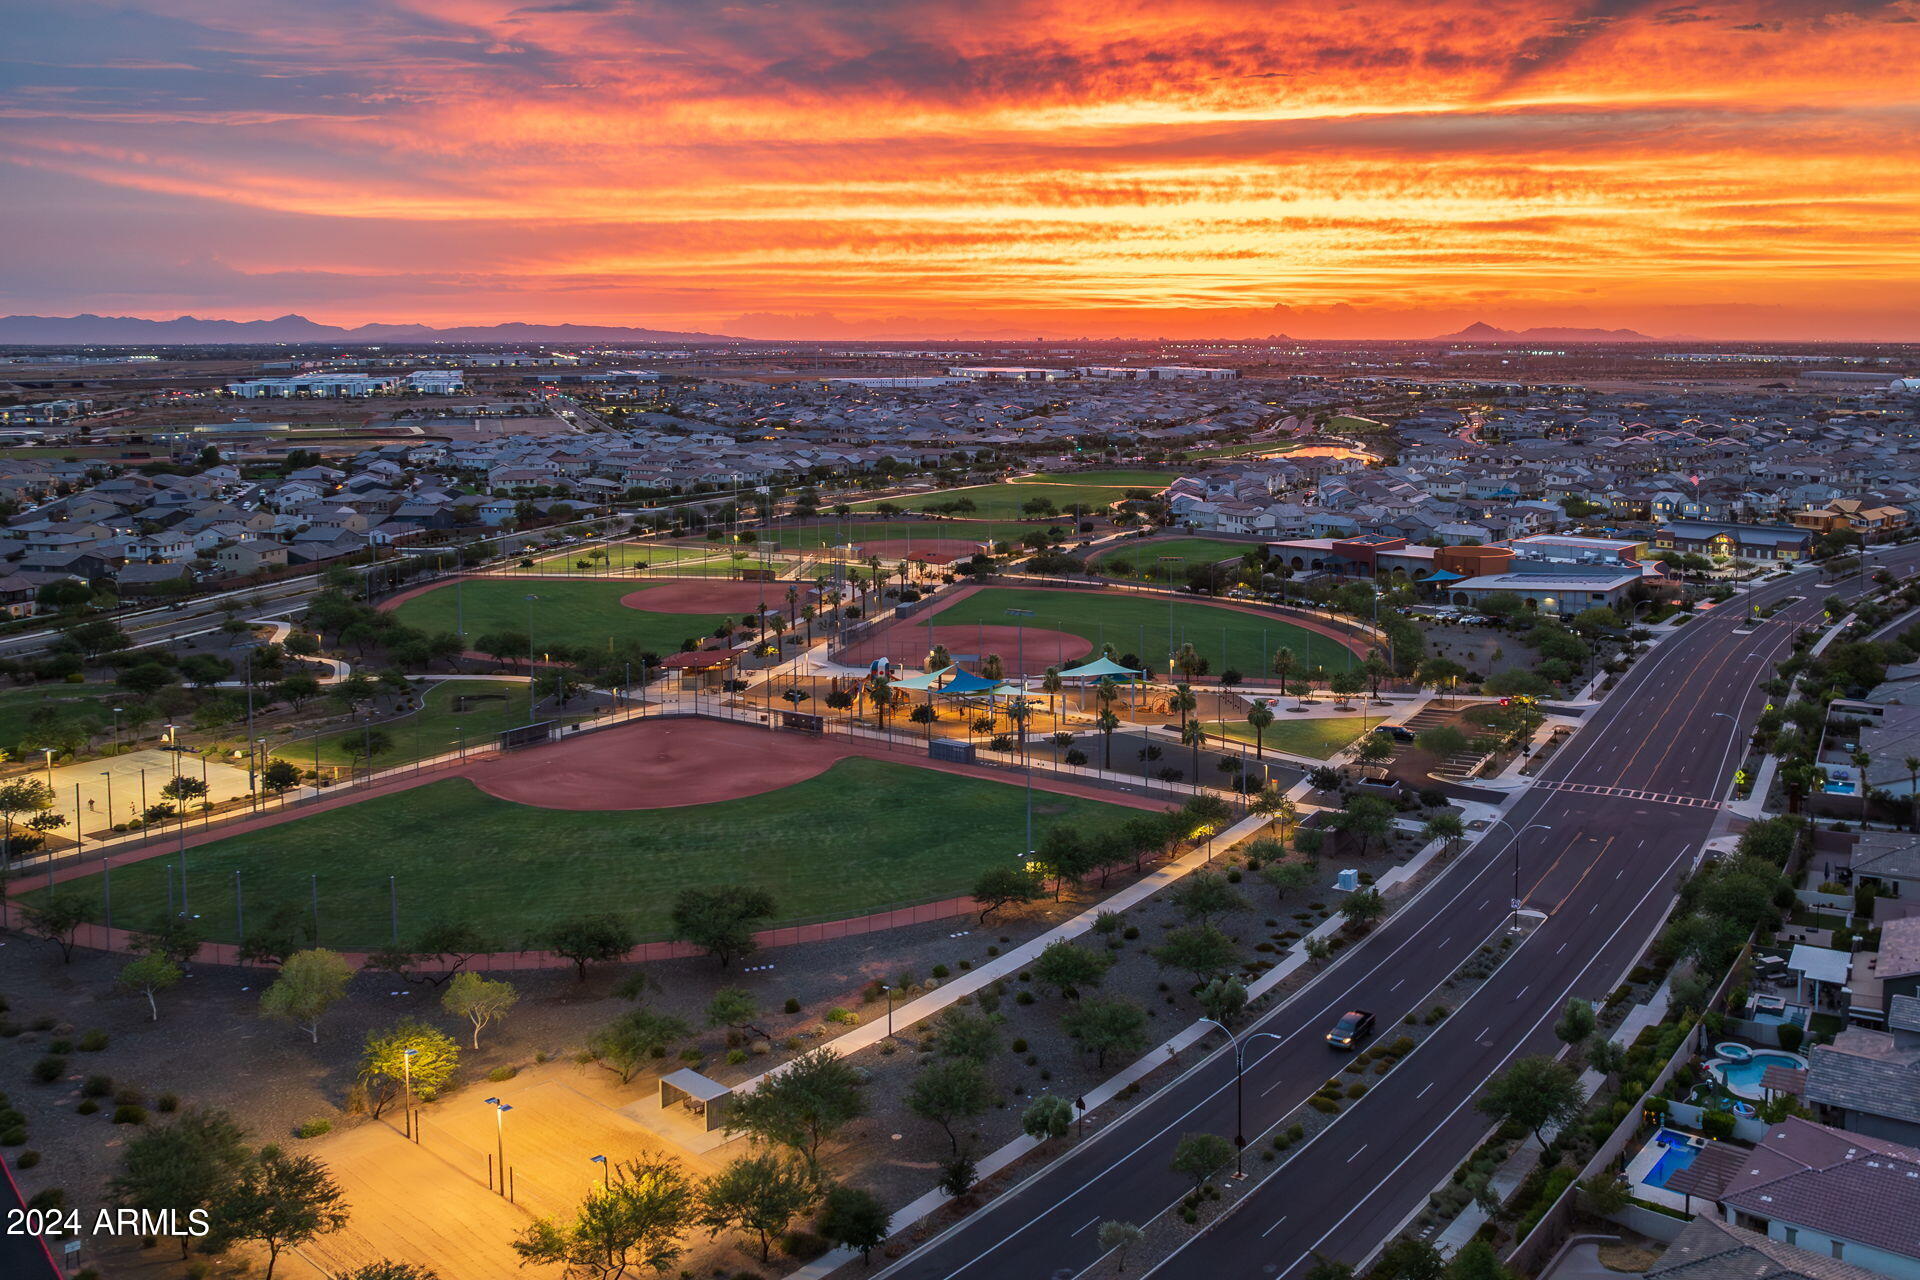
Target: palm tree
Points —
{"points": [[1108, 722], [938, 659], [1018, 710], [880, 689], [1186, 660], [1192, 735], [807, 614], [1284, 664], [1183, 701], [992, 668], [1860, 761], [1259, 719]]}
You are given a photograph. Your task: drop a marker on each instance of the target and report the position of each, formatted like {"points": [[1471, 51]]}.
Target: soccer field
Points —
{"points": [[1151, 627], [863, 836], [1006, 500], [560, 613], [1166, 559]]}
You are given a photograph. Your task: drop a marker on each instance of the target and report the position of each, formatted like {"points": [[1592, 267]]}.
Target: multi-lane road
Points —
{"points": [[1601, 841]]}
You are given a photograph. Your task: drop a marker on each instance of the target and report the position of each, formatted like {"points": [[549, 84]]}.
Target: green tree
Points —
{"points": [[1201, 950], [280, 1200], [57, 917], [1368, 817], [1104, 1025], [387, 1269], [22, 799], [1206, 894], [1064, 967], [1119, 1238], [734, 1008], [633, 1039], [801, 1105], [854, 1218], [1576, 1021], [635, 1221], [1047, 1116], [187, 1165], [385, 1062], [1259, 719], [759, 1194], [481, 1001], [1477, 1260], [1286, 877], [960, 1034], [1224, 1000], [948, 1091], [1408, 1259], [589, 939], [148, 976], [722, 921], [1001, 886], [1362, 908], [310, 983], [1199, 1156], [1533, 1093], [280, 777]]}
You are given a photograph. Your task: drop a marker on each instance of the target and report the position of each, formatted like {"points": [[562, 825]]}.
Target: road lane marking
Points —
{"points": [[1275, 1227], [1356, 1153], [1089, 1222]]}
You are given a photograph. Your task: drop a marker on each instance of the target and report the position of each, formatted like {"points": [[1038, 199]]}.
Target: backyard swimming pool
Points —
{"points": [[1679, 1153], [1742, 1077]]}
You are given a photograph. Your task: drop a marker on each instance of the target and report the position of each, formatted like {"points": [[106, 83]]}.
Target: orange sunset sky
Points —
{"points": [[834, 168]]}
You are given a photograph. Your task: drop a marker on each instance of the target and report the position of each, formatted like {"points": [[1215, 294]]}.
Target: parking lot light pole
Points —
{"points": [[1239, 1097], [500, 1110], [406, 1076], [606, 1178]]}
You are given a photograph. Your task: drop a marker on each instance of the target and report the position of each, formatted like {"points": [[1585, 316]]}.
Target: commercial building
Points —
{"points": [[1734, 541]]}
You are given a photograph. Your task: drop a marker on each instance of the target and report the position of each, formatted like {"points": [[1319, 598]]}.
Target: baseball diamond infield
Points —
{"points": [[617, 820]]}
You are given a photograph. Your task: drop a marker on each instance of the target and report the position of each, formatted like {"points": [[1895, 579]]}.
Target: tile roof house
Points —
{"points": [[1851, 1197], [1709, 1249], [1868, 1081]]}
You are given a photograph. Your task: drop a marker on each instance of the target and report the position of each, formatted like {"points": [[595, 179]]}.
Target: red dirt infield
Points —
{"points": [[905, 644], [705, 595], [668, 765]]}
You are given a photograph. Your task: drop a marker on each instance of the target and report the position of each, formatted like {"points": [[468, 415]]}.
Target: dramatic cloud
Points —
{"points": [[850, 167]]}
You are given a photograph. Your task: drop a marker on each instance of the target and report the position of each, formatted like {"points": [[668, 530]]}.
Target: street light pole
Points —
{"points": [[500, 1110], [1514, 904], [406, 1075], [606, 1177], [1239, 1096]]}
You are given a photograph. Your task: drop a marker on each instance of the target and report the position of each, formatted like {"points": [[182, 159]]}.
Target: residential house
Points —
{"points": [[1868, 1081]]}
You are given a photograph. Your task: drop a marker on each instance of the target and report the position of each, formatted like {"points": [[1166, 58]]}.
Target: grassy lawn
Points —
{"points": [[491, 707], [86, 708], [863, 836], [1319, 737], [1004, 500], [658, 556], [569, 613], [1145, 556], [815, 536], [1141, 626]]}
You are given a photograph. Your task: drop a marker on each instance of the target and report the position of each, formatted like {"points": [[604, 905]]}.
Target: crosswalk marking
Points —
{"points": [[1629, 793]]}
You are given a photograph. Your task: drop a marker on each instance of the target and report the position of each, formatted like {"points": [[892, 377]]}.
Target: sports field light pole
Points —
{"points": [[1514, 904], [108, 775], [1020, 660], [532, 680], [1239, 1105]]}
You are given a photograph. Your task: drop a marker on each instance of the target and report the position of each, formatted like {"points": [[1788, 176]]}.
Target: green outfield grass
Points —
{"points": [[1004, 501], [819, 536], [863, 836], [568, 613], [1147, 556], [494, 706], [690, 559], [1142, 625], [1319, 737]]}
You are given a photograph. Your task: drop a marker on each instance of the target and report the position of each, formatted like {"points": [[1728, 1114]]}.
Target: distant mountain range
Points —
{"points": [[91, 330], [1480, 331]]}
